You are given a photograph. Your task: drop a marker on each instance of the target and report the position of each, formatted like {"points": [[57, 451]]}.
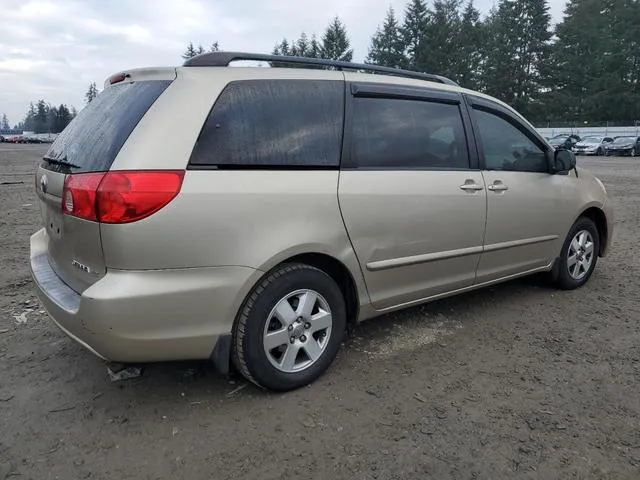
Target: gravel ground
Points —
{"points": [[515, 381]]}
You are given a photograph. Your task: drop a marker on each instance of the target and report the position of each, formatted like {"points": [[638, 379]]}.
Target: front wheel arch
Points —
{"points": [[597, 216]]}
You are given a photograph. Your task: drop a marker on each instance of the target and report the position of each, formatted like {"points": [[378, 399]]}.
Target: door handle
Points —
{"points": [[498, 187], [471, 186]]}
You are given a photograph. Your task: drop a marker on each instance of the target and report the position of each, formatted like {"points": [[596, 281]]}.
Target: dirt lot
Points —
{"points": [[517, 381]]}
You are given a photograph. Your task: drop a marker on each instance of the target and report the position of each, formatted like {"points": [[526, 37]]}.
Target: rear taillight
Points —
{"points": [[79, 195], [119, 197]]}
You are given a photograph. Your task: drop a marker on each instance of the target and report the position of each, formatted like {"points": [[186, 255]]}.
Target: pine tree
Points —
{"points": [[335, 42], [215, 47], [315, 51], [442, 47], [192, 51], [189, 52], [414, 33], [300, 47], [41, 117], [63, 118], [471, 56], [282, 48], [30, 118], [596, 63], [4, 124], [52, 117], [92, 92], [518, 48], [387, 47]]}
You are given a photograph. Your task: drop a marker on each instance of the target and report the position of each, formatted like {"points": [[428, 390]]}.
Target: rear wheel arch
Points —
{"points": [[340, 274]]}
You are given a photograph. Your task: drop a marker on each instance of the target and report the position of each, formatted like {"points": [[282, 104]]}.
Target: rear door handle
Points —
{"points": [[471, 186], [498, 187]]}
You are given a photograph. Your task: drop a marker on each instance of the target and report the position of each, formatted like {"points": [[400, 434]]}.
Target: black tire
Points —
{"points": [[249, 355], [563, 278], [600, 152]]}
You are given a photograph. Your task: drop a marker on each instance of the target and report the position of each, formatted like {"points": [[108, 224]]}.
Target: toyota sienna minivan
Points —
{"points": [[249, 215]]}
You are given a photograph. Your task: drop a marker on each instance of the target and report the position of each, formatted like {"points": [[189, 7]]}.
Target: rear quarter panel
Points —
{"points": [[254, 219]]}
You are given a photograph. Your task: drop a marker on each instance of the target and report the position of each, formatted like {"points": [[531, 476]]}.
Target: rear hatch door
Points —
{"points": [[90, 144]]}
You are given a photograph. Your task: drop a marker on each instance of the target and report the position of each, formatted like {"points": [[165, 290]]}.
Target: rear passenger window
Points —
{"points": [[274, 123], [394, 133]]}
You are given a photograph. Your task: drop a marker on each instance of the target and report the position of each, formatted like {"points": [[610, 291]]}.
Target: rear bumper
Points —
{"points": [[145, 316]]}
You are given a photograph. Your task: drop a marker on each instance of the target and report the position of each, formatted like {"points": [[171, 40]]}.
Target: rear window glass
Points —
{"points": [[94, 138], [267, 123]]}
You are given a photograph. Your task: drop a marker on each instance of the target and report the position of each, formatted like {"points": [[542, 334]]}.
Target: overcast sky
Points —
{"points": [[53, 49]]}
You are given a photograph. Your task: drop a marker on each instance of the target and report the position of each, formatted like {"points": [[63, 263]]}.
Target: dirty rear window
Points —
{"points": [[273, 124], [94, 138]]}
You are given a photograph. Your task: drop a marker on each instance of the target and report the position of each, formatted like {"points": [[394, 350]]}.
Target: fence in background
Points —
{"points": [[604, 129]]}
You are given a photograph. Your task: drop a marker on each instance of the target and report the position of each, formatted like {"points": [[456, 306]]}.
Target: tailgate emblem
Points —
{"points": [[79, 265], [44, 182]]}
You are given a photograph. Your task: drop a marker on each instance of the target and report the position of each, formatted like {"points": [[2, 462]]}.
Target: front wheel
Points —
{"points": [[600, 152], [579, 255], [633, 152], [290, 328]]}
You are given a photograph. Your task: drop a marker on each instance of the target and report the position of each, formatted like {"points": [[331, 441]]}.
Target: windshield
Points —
{"points": [[592, 140], [624, 140], [557, 140]]}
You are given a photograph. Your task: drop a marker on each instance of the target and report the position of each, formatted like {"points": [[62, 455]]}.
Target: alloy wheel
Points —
{"points": [[297, 331], [580, 256]]}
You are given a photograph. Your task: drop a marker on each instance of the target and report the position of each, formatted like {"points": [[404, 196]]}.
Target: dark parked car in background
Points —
{"points": [[624, 146], [564, 141]]}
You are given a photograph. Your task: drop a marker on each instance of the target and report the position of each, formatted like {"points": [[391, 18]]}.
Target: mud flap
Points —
{"points": [[221, 354], [555, 270]]}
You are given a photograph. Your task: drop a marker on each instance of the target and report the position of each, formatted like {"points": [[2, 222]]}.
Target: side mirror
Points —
{"points": [[564, 161]]}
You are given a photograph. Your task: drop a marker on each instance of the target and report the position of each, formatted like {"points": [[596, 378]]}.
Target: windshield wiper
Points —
{"points": [[62, 161]]}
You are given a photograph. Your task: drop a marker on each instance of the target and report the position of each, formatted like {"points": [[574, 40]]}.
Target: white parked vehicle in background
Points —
{"points": [[592, 145]]}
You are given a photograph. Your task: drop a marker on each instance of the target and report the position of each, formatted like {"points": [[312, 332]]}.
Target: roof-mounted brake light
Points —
{"points": [[118, 77]]}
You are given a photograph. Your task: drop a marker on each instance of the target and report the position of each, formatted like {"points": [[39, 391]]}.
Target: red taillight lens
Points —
{"points": [[120, 197], [125, 197], [79, 195]]}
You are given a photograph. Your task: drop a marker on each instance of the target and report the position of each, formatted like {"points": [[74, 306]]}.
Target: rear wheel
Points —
{"points": [[579, 255], [290, 328]]}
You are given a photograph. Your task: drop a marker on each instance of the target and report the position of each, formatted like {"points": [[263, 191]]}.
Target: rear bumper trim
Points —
{"points": [[50, 283]]}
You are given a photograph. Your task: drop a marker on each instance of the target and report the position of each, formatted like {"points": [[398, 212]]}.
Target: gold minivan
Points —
{"points": [[248, 215]]}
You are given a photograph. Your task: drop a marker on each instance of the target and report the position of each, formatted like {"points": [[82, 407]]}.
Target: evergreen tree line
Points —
{"points": [[334, 45], [584, 69], [45, 118], [4, 122]]}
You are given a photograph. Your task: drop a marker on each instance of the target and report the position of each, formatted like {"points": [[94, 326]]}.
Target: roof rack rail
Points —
{"points": [[223, 59]]}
